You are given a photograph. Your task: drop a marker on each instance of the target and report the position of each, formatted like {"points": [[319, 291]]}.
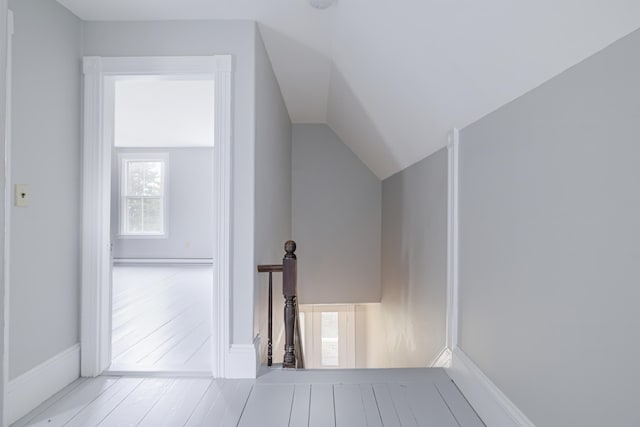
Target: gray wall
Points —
{"points": [[208, 38], [370, 344], [549, 231], [189, 219], [336, 220], [414, 262], [273, 187], [45, 237]]}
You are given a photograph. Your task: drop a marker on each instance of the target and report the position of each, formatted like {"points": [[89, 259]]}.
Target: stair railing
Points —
{"points": [[289, 270], [270, 268]]}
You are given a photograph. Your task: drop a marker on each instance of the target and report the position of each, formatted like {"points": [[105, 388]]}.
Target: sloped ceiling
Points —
{"points": [[392, 77]]}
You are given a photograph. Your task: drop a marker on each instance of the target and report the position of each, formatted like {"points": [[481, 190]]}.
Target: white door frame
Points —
{"points": [[95, 331], [5, 208], [452, 239]]}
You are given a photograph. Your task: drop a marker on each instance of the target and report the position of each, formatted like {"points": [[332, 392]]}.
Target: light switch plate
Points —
{"points": [[22, 195]]}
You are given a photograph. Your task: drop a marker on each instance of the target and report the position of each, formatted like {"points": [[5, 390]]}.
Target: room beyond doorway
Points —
{"points": [[162, 203], [161, 319]]}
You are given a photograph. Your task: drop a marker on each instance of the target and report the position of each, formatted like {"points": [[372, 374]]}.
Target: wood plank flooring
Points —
{"points": [[350, 398], [161, 319]]}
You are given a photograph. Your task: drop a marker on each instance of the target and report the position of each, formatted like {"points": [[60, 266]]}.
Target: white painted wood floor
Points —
{"points": [[349, 398], [161, 319]]}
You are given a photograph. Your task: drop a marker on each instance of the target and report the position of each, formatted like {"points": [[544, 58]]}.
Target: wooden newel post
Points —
{"points": [[270, 324], [289, 290]]}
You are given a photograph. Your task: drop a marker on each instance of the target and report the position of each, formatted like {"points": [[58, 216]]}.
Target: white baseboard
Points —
{"points": [[33, 387], [443, 359], [207, 261], [257, 341], [485, 397], [242, 361], [134, 371]]}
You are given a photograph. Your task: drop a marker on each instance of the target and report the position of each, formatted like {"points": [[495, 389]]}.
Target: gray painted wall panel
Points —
{"points": [[190, 214], [336, 220], [45, 237], [273, 190], [549, 231], [414, 262]]}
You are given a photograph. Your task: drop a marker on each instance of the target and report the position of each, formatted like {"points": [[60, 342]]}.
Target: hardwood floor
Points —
{"points": [[349, 398], [161, 319]]}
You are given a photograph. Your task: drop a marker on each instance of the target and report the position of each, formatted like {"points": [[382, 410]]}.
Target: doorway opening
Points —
{"points": [[156, 214], [162, 224]]}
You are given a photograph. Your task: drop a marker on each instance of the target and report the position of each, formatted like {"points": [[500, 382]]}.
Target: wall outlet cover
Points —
{"points": [[22, 195]]}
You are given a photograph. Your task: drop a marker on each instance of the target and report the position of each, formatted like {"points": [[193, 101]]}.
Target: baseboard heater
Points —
{"points": [[199, 261]]}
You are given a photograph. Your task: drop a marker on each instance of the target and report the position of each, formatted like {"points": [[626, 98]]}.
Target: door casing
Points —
{"points": [[99, 74]]}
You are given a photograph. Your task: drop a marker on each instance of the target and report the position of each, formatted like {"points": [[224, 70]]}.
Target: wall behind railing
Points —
{"points": [[336, 220]]}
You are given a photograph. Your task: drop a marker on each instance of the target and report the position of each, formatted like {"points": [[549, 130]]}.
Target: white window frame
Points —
{"points": [[312, 334], [123, 159]]}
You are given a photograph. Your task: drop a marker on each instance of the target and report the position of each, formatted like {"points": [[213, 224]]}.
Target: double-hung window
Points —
{"points": [[143, 201]]}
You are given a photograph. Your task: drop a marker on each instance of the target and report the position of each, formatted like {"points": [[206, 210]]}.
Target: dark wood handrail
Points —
{"points": [[289, 270], [270, 268]]}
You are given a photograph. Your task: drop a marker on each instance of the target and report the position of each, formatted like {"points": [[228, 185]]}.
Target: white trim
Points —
{"points": [[452, 238], [96, 263], [35, 386], [96, 238], [134, 371], [6, 48], [258, 351], [145, 66], [198, 261], [485, 397], [443, 359], [241, 362], [222, 253], [491, 404]]}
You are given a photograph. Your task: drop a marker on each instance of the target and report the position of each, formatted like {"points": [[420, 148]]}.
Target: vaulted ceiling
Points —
{"points": [[392, 77]]}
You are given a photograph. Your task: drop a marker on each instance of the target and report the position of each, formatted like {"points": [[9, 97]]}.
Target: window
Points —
{"points": [[328, 335], [142, 190], [329, 338]]}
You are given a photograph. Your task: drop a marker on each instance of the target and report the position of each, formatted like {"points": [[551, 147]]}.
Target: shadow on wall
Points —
{"points": [[414, 262], [315, 67], [350, 120], [344, 112]]}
